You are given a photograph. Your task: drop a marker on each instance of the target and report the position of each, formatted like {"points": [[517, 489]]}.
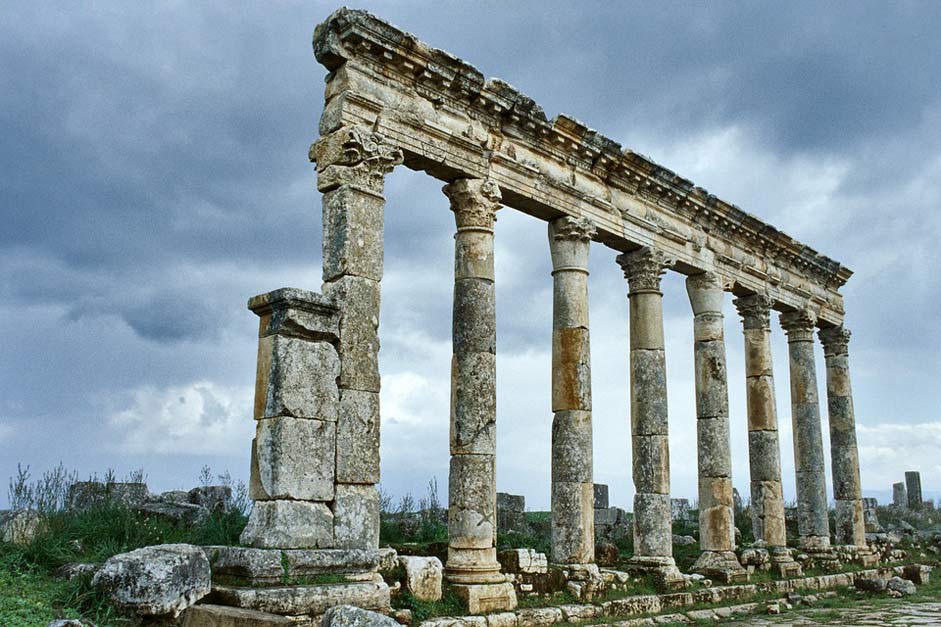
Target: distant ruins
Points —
{"points": [[392, 100]]}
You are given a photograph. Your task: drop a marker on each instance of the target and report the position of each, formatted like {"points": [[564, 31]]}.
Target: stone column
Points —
{"points": [[653, 535], [573, 513], [899, 495], [844, 456], [351, 166], [913, 489], [472, 487], [716, 518], [812, 522], [764, 449]]}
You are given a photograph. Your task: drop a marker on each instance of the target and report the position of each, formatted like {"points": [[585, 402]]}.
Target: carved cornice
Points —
{"points": [[354, 155], [835, 340], [709, 280], [474, 202], [404, 63], [575, 229], [755, 310], [799, 325], [643, 268]]}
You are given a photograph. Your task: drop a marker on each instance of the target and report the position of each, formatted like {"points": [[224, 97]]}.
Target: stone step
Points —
{"points": [[223, 616], [311, 600]]}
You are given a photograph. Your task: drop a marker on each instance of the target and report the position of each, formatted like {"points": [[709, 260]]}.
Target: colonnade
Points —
{"points": [[472, 480]]}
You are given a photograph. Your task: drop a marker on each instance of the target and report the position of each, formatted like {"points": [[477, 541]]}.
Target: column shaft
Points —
{"points": [[813, 525], [573, 514], [472, 492], [844, 455], [653, 536], [716, 517]]}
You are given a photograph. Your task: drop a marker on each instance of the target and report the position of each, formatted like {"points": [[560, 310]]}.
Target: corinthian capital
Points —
{"points": [[835, 340], [474, 202], [755, 310], [576, 229], [644, 267], [354, 155], [799, 325]]}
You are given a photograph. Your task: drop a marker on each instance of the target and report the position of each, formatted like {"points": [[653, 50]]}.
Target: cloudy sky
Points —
{"points": [[154, 176]]}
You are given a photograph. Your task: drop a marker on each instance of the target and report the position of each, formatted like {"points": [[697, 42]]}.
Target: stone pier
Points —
{"points": [[899, 495], [716, 518], [813, 524], [472, 565], [653, 536], [764, 450], [913, 489], [573, 515], [850, 527]]}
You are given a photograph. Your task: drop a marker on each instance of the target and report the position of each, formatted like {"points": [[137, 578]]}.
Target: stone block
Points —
{"points": [[289, 525], [713, 447], [679, 510], [515, 503], [299, 600], [573, 532], [352, 234], [296, 378], [648, 393], [712, 395], [651, 463], [473, 404], [351, 616], [296, 458], [708, 328], [523, 561], [762, 413], [913, 489], [356, 517], [474, 317], [423, 576], [359, 301], [601, 496], [539, 616], [207, 615], [297, 313], [764, 456], [472, 502], [473, 255], [270, 565], [486, 598], [511, 513], [899, 495], [646, 320], [357, 453], [570, 300], [83, 495], [572, 446], [571, 369], [758, 354], [653, 534]]}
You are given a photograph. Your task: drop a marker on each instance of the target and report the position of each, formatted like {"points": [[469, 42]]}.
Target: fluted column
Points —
{"points": [[472, 485], [764, 449], [844, 456], [716, 518], [813, 525], [573, 514], [653, 536]]}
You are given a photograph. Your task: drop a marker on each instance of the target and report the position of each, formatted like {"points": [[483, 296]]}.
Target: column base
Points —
{"points": [[784, 563], [862, 555], [666, 575], [721, 566], [484, 598], [473, 566]]}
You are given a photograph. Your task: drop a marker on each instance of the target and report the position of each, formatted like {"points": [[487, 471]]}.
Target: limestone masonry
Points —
{"points": [[392, 100]]}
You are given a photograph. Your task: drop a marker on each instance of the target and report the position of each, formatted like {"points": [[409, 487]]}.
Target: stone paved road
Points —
{"points": [[901, 615]]}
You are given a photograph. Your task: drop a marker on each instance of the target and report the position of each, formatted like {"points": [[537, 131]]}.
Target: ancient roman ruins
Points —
{"points": [[391, 100]]}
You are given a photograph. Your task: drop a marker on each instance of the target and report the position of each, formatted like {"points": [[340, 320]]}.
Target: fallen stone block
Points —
{"points": [[423, 576]]}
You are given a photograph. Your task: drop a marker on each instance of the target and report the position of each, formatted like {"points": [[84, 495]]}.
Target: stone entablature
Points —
{"points": [[451, 122]]}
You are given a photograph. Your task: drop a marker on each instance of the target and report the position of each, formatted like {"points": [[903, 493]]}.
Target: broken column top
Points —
{"points": [[601, 496], [297, 313]]}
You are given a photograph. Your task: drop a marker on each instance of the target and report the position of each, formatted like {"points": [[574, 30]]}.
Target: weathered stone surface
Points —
{"points": [[270, 565], [473, 256], [900, 585], [352, 234], [215, 498], [653, 534], [473, 403], [357, 452], [298, 600], [762, 415], [296, 378], [351, 616], [767, 506], [474, 316], [156, 580], [511, 515], [207, 615], [649, 402], [297, 313], [713, 448], [601, 496], [388, 559], [485, 598], [573, 532], [651, 463], [20, 526], [525, 561], [539, 616], [423, 576], [572, 446], [716, 529], [289, 525], [73, 570], [571, 369], [296, 458], [178, 513], [913, 489], [764, 456], [359, 301], [712, 396], [646, 321], [899, 495], [86, 494], [356, 517]]}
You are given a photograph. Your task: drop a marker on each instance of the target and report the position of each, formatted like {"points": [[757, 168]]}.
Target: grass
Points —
{"points": [[449, 605]]}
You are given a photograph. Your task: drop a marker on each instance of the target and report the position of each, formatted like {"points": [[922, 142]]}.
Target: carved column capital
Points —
{"points": [[474, 202], [755, 310], [568, 228], [799, 325], [835, 340], [644, 267], [354, 155]]}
